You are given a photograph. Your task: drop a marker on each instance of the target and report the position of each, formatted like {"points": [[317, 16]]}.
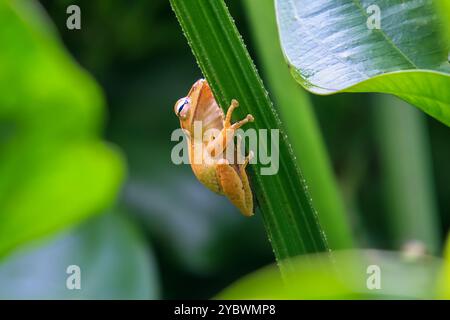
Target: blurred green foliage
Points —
{"points": [[54, 170], [444, 283], [196, 240], [350, 276], [114, 262]]}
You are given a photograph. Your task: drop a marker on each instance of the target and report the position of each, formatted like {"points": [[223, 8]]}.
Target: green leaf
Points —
{"points": [[351, 275], [114, 261], [74, 183], [331, 49], [290, 220], [54, 171]]}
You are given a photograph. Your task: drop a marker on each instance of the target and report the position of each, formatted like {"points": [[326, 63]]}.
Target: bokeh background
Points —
{"points": [[166, 236]]}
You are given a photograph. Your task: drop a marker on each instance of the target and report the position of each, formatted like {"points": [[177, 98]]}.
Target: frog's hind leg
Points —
{"points": [[243, 174], [246, 184], [235, 187]]}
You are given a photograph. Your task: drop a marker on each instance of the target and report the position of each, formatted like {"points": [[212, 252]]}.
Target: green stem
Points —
{"points": [[298, 115], [406, 167], [290, 220]]}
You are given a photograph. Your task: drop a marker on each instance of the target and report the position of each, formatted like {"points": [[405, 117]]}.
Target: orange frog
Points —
{"points": [[215, 170]]}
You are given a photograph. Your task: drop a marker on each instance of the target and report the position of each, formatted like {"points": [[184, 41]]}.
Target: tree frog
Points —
{"points": [[220, 175]]}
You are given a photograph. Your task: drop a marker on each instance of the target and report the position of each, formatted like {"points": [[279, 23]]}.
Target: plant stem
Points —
{"points": [[298, 115], [406, 167], [285, 205]]}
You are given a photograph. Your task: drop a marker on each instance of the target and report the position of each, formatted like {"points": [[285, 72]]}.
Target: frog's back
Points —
{"points": [[208, 111], [211, 116]]}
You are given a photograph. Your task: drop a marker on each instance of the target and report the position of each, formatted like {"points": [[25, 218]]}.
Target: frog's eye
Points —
{"points": [[182, 107]]}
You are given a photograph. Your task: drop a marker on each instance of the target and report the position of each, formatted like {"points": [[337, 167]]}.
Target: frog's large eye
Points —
{"points": [[182, 107]]}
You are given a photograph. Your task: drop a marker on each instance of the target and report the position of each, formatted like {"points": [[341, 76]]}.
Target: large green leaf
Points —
{"points": [[331, 49], [114, 261], [54, 171]]}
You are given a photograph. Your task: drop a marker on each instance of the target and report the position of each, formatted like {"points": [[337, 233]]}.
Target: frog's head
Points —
{"points": [[185, 108]]}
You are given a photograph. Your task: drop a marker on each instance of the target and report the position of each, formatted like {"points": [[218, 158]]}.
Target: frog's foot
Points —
{"points": [[247, 119], [233, 106]]}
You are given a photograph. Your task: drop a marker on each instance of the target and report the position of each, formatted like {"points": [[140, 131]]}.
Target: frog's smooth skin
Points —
{"points": [[219, 175]]}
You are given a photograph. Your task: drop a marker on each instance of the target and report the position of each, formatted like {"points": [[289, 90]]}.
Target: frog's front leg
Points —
{"points": [[235, 186], [222, 141], [227, 123]]}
